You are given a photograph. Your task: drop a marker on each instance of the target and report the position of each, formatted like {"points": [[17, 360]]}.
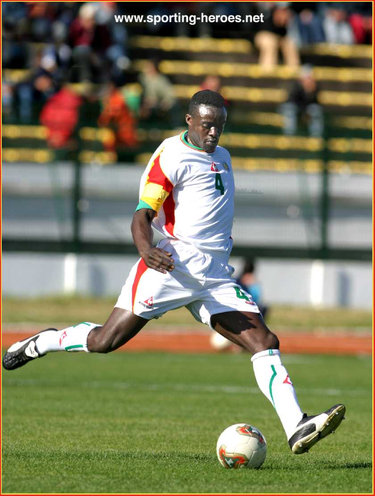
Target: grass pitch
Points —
{"points": [[148, 423]]}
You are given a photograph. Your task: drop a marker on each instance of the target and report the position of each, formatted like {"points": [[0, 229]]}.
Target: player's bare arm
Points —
{"points": [[154, 257]]}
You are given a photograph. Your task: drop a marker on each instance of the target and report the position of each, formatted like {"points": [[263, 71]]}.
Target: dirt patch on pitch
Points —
{"points": [[193, 341]]}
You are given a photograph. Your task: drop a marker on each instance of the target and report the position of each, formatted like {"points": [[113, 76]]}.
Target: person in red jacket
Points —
{"points": [[60, 116]]}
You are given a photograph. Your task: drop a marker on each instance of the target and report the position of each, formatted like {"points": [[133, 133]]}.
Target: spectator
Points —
{"points": [[360, 20], [249, 282], [158, 99], [33, 93], [59, 48], [89, 42], [7, 98], [309, 22], [60, 115], [273, 35], [302, 103], [336, 26], [14, 47], [117, 115], [213, 83], [163, 28], [116, 53], [40, 16]]}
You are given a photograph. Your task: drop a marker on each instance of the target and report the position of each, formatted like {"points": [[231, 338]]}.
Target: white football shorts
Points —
{"points": [[200, 281]]}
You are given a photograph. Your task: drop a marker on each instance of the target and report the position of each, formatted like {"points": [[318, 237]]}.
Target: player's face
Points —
{"points": [[205, 127]]}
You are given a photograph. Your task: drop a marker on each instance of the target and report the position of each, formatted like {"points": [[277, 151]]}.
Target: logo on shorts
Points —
{"points": [[149, 303], [288, 381]]}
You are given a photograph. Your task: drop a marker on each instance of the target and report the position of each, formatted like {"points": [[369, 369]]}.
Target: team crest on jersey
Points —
{"points": [[149, 303], [214, 167]]}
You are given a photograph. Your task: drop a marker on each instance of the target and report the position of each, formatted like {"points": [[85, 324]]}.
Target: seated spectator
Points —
{"points": [[162, 28], [40, 16], [302, 104], [309, 22], [360, 20], [33, 93], [336, 25], [273, 35], [158, 100], [116, 115], [60, 116], [89, 42], [212, 83], [7, 98], [15, 50], [116, 53], [59, 48]]}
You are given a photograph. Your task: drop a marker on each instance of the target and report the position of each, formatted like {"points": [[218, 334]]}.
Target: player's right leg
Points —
{"points": [[120, 327], [125, 321], [142, 298]]}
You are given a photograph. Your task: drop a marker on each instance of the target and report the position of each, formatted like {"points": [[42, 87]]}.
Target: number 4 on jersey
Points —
{"points": [[219, 183]]}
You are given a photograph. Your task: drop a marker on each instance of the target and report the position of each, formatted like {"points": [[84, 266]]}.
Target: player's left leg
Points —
{"points": [[248, 330]]}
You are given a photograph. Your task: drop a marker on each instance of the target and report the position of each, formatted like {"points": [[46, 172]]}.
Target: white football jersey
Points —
{"points": [[192, 192]]}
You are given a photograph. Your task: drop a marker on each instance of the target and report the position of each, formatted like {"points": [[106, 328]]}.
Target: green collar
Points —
{"points": [[190, 145]]}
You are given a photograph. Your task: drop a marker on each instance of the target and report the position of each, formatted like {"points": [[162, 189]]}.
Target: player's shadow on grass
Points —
{"points": [[356, 465], [319, 464]]}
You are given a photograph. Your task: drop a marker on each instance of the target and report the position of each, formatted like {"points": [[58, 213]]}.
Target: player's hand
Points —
{"points": [[159, 260]]}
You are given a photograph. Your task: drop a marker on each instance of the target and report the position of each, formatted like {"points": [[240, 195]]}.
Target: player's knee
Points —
{"points": [[266, 341], [272, 342], [255, 342]]}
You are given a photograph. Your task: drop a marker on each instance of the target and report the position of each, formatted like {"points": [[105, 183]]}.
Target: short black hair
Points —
{"points": [[205, 97], [249, 266]]}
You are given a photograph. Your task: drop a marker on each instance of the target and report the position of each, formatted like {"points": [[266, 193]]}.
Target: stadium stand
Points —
{"points": [[254, 132]]}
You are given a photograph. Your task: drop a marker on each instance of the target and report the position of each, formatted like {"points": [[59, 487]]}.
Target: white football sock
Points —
{"points": [[72, 338], [274, 382]]}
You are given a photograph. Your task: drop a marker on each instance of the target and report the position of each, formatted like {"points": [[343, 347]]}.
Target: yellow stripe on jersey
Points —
{"points": [[154, 195]]}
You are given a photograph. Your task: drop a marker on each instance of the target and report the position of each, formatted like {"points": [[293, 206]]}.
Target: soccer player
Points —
{"points": [[187, 194]]}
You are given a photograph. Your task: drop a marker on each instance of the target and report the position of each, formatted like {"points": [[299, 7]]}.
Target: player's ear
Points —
{"points": [[188, 119]]}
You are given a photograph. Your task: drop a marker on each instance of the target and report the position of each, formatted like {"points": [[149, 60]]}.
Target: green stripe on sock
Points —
{"points": [[74, 346], [271, 381]]}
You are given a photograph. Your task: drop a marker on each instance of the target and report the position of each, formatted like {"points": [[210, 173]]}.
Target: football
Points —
{"points": [[241, 446], [219, 342]]}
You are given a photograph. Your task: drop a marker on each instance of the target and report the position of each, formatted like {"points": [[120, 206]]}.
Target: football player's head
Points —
{"points": [[206, 119]]}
